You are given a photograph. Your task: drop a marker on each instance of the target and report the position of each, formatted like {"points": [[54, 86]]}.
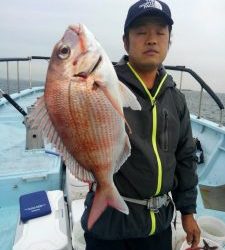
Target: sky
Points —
{"points": [[32, 27]]}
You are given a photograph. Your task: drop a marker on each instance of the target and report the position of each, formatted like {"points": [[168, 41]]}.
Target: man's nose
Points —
{"points": [[151, 39]]}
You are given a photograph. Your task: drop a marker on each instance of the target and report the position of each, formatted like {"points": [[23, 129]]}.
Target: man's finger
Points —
{"points": [[193, 239], [196, 239], [195, 243], [189, 238]]}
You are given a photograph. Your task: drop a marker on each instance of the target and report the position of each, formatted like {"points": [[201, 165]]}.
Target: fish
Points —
{"points": [[81, 115]]}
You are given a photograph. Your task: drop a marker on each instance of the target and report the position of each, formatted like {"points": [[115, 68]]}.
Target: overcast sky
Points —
{"points": [[32, 27]]}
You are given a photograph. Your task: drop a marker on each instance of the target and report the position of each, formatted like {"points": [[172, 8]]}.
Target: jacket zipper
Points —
{"points": [[154, 133]]}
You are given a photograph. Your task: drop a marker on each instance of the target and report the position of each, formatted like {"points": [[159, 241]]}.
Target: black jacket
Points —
{"points": [[152, 170]]}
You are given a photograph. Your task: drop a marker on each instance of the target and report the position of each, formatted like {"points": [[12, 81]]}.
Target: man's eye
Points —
{"points": [[141, 33]]}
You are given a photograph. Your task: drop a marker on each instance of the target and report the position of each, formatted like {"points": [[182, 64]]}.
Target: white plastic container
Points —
{"points": [[212, 228], [178, 233], [210, 242], [49, 232], [75, 189], [77, 208]]}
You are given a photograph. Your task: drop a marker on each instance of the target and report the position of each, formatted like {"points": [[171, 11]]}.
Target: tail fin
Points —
{"points": [[104, 198]]}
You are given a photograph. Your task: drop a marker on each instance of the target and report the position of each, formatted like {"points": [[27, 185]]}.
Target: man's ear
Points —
{"points": [[125, 43]]}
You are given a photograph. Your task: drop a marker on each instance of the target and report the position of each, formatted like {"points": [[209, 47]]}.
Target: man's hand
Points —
{"points": [[192, 230]]}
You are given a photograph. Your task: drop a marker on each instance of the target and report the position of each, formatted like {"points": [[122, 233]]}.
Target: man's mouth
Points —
{"points": [[150, 52]]}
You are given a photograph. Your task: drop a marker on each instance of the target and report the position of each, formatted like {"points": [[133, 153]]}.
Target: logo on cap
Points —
{"points": [[151, 4]]}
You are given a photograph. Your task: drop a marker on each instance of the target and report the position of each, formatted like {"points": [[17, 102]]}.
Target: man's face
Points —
{"points": [[148, 42]]}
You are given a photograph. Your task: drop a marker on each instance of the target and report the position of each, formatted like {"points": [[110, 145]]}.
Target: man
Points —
{"points": [[161, 159]]}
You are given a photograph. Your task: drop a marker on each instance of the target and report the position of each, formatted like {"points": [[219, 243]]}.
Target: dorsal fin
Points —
{"points": [[128, 98]]}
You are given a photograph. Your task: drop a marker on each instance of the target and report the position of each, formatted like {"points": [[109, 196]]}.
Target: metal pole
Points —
{"points": [[181, 79], [30, 80], [200, 104], [15, 104], [221, 118], [18, 77], [7, 69]]}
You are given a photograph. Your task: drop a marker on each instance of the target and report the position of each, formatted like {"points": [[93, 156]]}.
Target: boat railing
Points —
{"points": [[181, 69], [19, 60], [204, 86]]}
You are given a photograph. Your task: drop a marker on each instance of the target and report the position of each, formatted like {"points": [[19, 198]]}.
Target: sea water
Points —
{"points": [[209, 108]]}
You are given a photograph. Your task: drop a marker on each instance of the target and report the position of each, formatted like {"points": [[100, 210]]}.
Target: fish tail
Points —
{"points": [[103, 199]]}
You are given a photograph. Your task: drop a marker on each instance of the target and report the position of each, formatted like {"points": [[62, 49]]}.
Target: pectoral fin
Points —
{"points": [[128, 98], [114, 102]]}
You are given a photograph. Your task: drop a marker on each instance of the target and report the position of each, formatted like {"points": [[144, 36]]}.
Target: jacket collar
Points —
{"points": [[126, 75]]}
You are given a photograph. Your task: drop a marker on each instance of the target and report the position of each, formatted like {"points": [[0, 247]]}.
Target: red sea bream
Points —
{"points": [[81, 114]]}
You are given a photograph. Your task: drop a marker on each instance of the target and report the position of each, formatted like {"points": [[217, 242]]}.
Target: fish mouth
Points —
{"points": [[90, 71], [76, 28]]}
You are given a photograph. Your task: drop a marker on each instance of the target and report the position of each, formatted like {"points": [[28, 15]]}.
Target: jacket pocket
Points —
{"points": [[165, 137]]}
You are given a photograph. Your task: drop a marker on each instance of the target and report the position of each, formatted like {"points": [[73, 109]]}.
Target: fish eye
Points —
{"points": [[64, 52]]}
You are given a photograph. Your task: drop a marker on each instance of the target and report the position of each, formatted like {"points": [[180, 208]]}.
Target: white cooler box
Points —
{"points": [[77, 209], [49, 232]]}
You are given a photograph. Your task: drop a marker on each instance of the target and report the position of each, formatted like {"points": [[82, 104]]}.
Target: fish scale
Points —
{"points": [[102, 121]]}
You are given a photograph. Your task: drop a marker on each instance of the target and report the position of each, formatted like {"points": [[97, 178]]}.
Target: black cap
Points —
{"points": [[148, 7]]}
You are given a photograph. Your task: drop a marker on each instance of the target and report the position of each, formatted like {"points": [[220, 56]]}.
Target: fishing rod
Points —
{"points": [[11, 101]]}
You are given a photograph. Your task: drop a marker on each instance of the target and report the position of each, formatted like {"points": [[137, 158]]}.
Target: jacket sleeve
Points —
{"points": [[185, 192]]}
